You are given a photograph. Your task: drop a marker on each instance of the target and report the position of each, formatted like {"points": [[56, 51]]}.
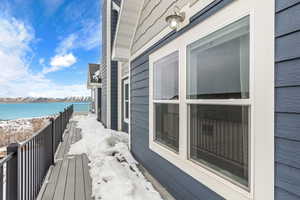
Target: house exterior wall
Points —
{"points": [[152, 20], [109, 110], [104, 65], [287, 110], [178, 183], [114, 76]]}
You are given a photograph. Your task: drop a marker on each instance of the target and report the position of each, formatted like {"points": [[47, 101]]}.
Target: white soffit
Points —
{"points": [[128, 19]]}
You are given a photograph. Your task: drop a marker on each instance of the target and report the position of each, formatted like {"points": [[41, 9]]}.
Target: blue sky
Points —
{"points": [[45, 46]]}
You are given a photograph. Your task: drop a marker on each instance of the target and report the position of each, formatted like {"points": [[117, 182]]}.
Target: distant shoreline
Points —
{"points": [[6, 100], [20, 102]]}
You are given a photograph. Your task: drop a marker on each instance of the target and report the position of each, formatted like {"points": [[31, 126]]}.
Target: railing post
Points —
{"points": [[12, 173], [65, 119], [53, 140], [1, 182], [61, 126]]}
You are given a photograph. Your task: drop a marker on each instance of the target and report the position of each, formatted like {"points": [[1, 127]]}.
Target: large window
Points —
{"points": [[218, 69], [211, 100], [165, 96]]}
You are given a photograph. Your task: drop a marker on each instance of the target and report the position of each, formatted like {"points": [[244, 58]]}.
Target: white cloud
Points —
{"points": [[67, 44], [14, 48], [41, 61], [16, 78], [59, 62], [63, 61], [88, 37]]}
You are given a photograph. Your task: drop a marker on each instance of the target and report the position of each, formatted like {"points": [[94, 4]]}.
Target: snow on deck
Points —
{"points": [[114, 171]]}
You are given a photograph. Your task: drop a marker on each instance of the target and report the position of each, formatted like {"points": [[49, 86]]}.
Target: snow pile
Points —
{"points": [[113, 169], [20, 129], [14, 126]]}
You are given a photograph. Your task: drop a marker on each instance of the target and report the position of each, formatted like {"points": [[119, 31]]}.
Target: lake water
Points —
{"points": [[29, 110]]}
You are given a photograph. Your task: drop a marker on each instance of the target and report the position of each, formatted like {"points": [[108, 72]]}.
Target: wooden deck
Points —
{"points": [[69, 179]]}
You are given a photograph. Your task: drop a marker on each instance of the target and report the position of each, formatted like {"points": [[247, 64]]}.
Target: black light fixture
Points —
{"points": [[175, 19]]}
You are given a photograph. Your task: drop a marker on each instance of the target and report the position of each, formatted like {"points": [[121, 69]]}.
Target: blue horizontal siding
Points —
{"points": [[284, 4], [286, 23], [283, 195], [288, 126], [288, 73], [287, 99]]}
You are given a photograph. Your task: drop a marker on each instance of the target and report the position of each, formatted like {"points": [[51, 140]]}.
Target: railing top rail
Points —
{"points": [[38, 132], [35, 134], [6, 159]]}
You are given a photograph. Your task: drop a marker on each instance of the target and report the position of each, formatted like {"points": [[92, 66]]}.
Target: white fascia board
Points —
{"points": [[95, 85], [122, 54], [128, 18]]}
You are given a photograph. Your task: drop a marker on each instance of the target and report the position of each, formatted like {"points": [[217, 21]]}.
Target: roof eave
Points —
{"points": [[128, 19]]}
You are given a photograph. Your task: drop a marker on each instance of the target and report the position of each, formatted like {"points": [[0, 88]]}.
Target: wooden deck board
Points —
{"points": [[61, 182], [79, 190], [87, 179], [51, 183], [70, 178], [70, 185]]}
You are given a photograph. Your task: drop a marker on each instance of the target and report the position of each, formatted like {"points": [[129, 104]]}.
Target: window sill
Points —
{"points": [[220, 185]]}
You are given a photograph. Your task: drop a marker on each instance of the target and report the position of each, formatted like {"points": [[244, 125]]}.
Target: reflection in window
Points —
{"points": [[167, 125], [166, 77], [218, 65], [219, 138]]}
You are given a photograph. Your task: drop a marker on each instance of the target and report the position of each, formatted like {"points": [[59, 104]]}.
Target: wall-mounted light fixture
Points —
{"points": [[175, 19]]}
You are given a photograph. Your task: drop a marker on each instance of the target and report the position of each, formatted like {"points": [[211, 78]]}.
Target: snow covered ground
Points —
{"points": [[19, 129], [113, 169]]}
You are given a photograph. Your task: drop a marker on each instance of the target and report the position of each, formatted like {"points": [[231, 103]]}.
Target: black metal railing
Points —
{"points": [[23, 170]]}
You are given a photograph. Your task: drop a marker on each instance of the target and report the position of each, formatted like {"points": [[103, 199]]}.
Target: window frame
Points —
{"points": [[225, 102], [153, 101], [261, 159], [125, 119]]}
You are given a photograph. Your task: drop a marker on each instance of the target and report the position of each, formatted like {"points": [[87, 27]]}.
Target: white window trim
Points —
{"points": [[262, 100], [125, 82]]}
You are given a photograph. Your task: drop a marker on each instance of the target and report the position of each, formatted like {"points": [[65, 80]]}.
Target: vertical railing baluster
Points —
{"points": [[38, 159], [22, 165], [60, 125], [27, 171], [1, 183], [31, 169], [12, 173], [52, 133], [20, 172], [35, 168]]}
